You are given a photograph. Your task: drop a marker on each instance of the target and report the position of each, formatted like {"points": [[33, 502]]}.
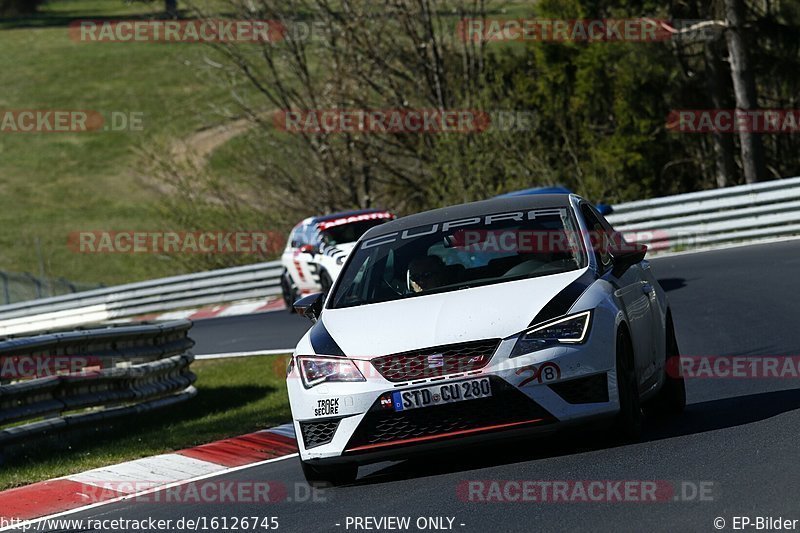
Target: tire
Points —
{"points": [[671, 398], [325, 281], [288, 291], [628, 423], [329, 474]]}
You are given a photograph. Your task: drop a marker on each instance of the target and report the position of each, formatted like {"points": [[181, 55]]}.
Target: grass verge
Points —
{"points": [[236, 396], [57, 183]]}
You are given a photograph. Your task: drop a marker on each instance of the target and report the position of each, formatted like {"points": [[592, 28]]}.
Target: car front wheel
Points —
{"points": [[671, 398], [628, 424]]}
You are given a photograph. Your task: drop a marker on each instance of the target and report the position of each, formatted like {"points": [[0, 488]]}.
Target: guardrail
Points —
{"points": [[719, 216], [133, 369], [166, 294]]}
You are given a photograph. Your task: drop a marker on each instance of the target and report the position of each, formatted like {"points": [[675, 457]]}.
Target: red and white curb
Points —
{"points": [[214, 311], [108, 484]]}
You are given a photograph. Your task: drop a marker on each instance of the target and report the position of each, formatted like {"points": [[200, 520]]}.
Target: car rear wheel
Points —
{"points": [[330, 474], [288, 291], [671, 398], [628, 423]]}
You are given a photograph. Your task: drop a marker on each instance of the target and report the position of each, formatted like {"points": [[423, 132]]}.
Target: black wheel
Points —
{"points": [[671, 398], [288, 291], [628, 424], [325, 281], [330, 474]]}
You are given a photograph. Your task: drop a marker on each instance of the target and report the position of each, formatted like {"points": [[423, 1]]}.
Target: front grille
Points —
{"points": [[593, 389], [318, 433], [438, 361], [506, 406]]}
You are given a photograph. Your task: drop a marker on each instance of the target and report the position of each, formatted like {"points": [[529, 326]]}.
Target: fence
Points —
{"points": [[133, 369], [732, 214]]}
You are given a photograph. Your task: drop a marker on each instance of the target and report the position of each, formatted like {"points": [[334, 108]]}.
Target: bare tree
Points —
{"points": [[355, 54], [744, 87], [724, 147]]}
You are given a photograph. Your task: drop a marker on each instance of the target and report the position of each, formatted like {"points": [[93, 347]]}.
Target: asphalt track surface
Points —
{"points": [[740, 435], [274, 330]]}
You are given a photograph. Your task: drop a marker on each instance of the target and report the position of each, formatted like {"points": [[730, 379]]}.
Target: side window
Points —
{"points": [[312, 236], [352, 281], [599, 235], [294, 238], [299, 237]]}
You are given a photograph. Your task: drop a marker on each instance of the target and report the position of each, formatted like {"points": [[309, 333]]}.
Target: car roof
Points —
{"points": [[341, 214], [556, 189], [484, 207]]}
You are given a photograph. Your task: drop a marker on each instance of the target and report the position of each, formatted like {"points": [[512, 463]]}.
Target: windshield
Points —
{"points": [[429, 260], [349, 232]]}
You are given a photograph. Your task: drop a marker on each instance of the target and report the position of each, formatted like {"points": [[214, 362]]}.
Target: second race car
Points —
{"points": [[317, 248]]}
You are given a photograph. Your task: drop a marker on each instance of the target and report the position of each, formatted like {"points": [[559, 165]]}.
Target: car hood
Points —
{"points": [[491, 311]]}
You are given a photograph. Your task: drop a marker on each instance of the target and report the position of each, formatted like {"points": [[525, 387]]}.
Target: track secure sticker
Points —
{"points": [[542, 374], [327, 407]]}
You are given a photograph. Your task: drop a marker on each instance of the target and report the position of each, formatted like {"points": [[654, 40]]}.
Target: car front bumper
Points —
{"points": [[537, 392]]}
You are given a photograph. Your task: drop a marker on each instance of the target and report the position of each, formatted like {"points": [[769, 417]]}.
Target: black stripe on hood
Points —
{"points": [[322, 342], [564, 300]]}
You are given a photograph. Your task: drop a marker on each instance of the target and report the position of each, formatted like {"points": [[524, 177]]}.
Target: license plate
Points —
{"points": [[441, 394]]}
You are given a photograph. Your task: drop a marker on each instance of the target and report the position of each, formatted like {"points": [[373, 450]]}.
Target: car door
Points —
{"points": [[634, 292]]}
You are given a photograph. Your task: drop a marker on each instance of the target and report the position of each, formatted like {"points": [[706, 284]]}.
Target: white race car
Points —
{"points": [[317, 248], [481, 321]]}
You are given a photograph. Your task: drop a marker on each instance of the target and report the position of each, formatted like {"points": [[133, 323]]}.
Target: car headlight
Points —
{"points": [[316, 370], [567, 330]]}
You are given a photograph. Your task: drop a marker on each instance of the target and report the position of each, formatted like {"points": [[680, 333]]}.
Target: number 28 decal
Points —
{"points": [[541, 374]]}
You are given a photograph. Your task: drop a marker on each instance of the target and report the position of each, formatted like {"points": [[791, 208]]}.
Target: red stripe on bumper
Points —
{"points": [[445, 435]]}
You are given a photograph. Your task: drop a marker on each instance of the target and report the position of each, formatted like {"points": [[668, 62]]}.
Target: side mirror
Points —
{"points": [[310, 306], [624, 255], [309, 249]]}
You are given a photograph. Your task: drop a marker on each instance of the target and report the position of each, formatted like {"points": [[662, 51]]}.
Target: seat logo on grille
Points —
{"points": [[436, 360]]}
